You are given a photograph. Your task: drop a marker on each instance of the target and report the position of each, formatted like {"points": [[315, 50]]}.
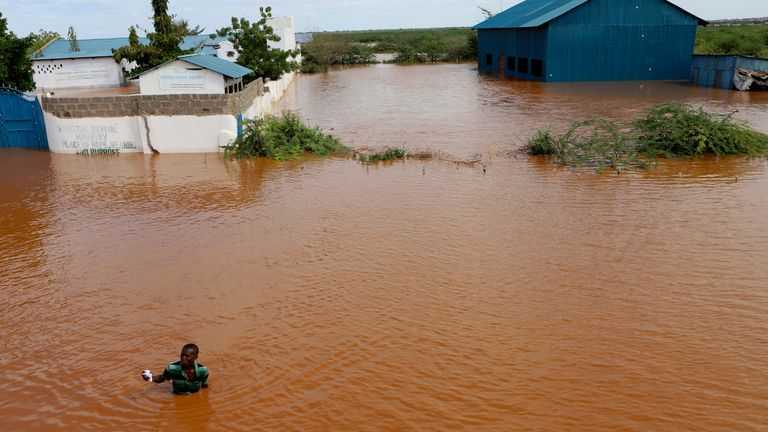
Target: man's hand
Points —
{"points": [[147, 375]]}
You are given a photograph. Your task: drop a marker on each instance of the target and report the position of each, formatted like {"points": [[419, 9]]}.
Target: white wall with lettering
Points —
{"points": [[72, 73], [164, 134], [94, 135], [180, 77]]}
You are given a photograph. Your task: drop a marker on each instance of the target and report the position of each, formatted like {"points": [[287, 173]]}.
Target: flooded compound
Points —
{"points": [[415, 295]]}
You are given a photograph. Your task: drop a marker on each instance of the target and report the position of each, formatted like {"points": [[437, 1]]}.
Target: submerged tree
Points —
{"points": [[15, 65], [251, 41]]}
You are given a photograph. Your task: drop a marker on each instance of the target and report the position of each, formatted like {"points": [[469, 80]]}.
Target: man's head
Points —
{"points": [[189, 354]]}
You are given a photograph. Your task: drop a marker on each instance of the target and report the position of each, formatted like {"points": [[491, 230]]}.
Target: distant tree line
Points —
{"points": [[406, 46], [746, 40]]}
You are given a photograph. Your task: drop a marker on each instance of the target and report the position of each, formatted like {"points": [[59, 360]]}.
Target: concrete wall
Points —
{"points": [[180, 77], [185, 123], [73, 73]]}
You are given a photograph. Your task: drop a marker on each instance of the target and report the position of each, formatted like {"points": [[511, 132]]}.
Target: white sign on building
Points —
{"points": [[181, 79]]}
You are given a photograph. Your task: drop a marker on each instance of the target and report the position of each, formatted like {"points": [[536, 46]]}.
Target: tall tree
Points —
{"points": [[15, 65], [74, 45], [163, 42], [251, 41]]}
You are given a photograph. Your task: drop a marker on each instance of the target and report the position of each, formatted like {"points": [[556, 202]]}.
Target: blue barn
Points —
{"points": [[589, 40]]}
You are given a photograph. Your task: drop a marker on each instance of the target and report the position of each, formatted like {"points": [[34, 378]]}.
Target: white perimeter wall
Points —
{"points": [[180, 77], [166, 134], [87, 72]]}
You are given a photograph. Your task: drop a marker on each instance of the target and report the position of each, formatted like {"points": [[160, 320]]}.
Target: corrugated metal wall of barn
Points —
{"points": [[511, 52], [606, 40], [599, 40]]}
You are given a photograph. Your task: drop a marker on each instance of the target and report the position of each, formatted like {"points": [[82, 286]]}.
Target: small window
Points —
{"points": [[522, 65], [511, 64], [489, 59], [537, 67]]}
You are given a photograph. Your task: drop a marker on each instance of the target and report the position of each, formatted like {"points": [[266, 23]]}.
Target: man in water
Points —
{"points": [[187, 375]]}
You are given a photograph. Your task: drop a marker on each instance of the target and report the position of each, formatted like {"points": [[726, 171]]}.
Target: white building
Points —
{"points": [[92, 65], [193, 74]]}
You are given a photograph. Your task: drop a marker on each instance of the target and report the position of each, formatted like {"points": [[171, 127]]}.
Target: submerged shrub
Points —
{"points": [[595, 142], [388, 153], [543, 143], [281, 138], [681, 130]]}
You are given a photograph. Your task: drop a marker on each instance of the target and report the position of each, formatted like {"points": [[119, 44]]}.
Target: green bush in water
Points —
{"points": [[595, 142], [680, 130], [543, 143], [389, 153], [281, 138]]}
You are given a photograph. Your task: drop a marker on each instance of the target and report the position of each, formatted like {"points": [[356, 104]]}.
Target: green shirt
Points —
{"points": [[181, 383]]}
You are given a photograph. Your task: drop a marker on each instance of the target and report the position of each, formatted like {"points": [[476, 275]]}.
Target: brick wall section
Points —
{"points": [[154, 105]]}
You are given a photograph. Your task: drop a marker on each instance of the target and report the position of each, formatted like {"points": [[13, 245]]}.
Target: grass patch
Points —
{"points": [[282, 138], [680, 130]]}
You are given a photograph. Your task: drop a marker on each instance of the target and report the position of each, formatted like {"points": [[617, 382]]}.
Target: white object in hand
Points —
{"points": [[147, 374]]}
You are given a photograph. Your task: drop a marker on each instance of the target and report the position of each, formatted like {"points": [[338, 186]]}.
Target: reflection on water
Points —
{"points": [[413, 295]]}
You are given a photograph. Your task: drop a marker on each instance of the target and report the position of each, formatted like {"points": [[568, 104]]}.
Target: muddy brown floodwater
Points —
{"points": [[418, 295]]}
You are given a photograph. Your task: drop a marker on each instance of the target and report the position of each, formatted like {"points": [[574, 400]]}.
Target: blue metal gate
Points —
{"points": [[21, 120]]}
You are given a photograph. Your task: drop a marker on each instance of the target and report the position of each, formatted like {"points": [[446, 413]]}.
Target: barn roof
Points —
{"points": [[533, 13], [89, 48]]}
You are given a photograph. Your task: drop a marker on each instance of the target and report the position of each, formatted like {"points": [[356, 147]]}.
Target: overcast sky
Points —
{"points": [[111, 18]]}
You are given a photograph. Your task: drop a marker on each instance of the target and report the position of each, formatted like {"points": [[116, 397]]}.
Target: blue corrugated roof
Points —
{"points": [[530, 13], [62, 48], [224, 67], [208, 61], [533, 13]]}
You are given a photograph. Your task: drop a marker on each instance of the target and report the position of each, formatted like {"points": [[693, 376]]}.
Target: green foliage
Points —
{"points": [[742, 40], [666, 130], [680, 130], [595, 142], [543, 143], [251, 42], [163, 43], [41, 39], [181, 26], [283, 138], [15, 65], [387, 154]]}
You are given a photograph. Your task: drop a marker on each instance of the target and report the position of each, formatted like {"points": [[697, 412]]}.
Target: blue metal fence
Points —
{"points": [[718, 70], [21, 120]]}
